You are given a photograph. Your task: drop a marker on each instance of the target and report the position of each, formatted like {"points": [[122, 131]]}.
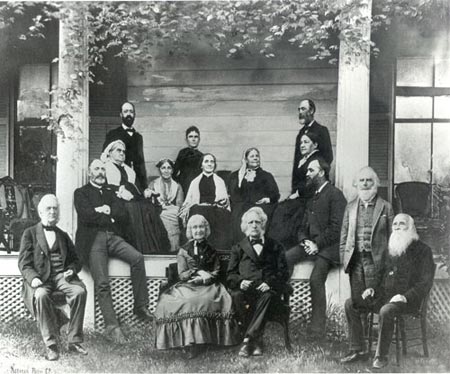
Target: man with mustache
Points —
{"points": [[364, 236], [134, 144], [101, 215], [306, 111], [319, 240], [405, 279]]}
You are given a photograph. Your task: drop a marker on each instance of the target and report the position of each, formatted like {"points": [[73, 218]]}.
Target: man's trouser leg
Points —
{"points": [[98, 264], [318, 295], [45, 314], [355, 328], [387, 313], [295, 255], [119, 248], [76, 299]]}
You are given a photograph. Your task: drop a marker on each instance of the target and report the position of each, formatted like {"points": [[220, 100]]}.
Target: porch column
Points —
{"points": [[352, 144], [72, 110]]}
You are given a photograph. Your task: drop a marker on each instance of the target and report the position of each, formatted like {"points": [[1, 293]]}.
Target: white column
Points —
{"points": [[72, 146], [352, 145]]}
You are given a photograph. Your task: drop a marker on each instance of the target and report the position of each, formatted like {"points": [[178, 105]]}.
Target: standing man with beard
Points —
{"points": [[364, 239], [404, 281], [319, 240], [306, 111], [134, 144]]}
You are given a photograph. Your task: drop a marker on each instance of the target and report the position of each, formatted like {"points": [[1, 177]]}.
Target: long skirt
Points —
{"points": [[169, 217], [189, 314], [220, 222], [286, 221], [145, 230]]}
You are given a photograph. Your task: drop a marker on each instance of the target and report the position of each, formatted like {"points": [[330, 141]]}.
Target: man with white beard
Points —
{"points": [[364, 235], [404, 281]]}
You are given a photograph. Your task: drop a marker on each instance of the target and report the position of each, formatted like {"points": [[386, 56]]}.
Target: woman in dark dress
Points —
{"points": [[145, 230], [208, 196], [198, 309], [288, 215], [251, 186], [187, 163]]}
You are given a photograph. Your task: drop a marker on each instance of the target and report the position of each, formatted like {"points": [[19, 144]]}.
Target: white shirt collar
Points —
{"points": [[321, 187]]}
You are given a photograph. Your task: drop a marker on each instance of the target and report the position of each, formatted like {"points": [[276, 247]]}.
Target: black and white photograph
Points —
{"points": [[225, 186]]}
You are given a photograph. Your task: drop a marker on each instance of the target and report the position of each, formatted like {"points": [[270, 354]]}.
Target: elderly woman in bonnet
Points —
{"points": [[198, 309], [288, 215], [145, 230], [170, 196], [251, 186], [208, 196]]}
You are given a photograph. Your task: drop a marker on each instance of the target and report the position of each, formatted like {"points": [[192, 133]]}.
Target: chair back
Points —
{"points": [[414, 198]]}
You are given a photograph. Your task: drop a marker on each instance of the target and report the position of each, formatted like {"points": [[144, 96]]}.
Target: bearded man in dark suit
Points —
{"points": [[405, 278], [319, 240], [48, 263], [100, 215], [134, 144], [306, 111], [257, 275]]}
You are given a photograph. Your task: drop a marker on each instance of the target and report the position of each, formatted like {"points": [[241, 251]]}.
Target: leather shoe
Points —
{"points": [[353, 356], [77, 348], [380, 363], [52, 353], [257, 350], [245, 350], [144, 314], [116, 335]]}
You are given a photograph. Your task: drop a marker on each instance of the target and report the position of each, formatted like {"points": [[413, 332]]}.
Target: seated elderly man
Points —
{"points": [[48, 262], [257, 274], [405, 279]]}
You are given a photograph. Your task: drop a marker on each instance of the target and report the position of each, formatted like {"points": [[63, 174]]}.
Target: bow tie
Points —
{"points": [[256, 241], [49, 228], [130, 130]]}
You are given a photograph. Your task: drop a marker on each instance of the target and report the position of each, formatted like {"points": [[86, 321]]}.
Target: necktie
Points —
{"points": [[49, 228], [256, 241]]}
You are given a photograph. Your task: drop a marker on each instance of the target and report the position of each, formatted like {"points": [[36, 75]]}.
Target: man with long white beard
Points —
{"points": [[404, 281], [364, 239]]}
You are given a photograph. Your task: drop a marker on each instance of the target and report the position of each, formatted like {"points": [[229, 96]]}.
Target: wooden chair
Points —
{"points": [[400, 337], [16, 213]]}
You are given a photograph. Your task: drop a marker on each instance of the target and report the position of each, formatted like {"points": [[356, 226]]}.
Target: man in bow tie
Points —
{"points": [[257, 275], [48, 263], [319, 240], [101, 215], [134, 144]]}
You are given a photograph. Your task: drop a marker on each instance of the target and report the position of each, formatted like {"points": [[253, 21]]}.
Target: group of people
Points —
{"points": [[120, 215]]}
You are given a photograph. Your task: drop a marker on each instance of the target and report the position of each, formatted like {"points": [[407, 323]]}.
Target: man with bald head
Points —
{"points": [[48, 263], [101, 215], [405, 278]]}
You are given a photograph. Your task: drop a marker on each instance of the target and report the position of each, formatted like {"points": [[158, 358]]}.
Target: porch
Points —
{"points": [[12, 308]]}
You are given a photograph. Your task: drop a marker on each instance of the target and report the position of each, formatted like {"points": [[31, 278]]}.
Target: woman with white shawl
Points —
{"points": [[145, 230], [208, 196]]}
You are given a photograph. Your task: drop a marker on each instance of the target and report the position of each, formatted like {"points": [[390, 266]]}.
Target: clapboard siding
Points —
{"points": [[236, 104], [240, 77]]}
